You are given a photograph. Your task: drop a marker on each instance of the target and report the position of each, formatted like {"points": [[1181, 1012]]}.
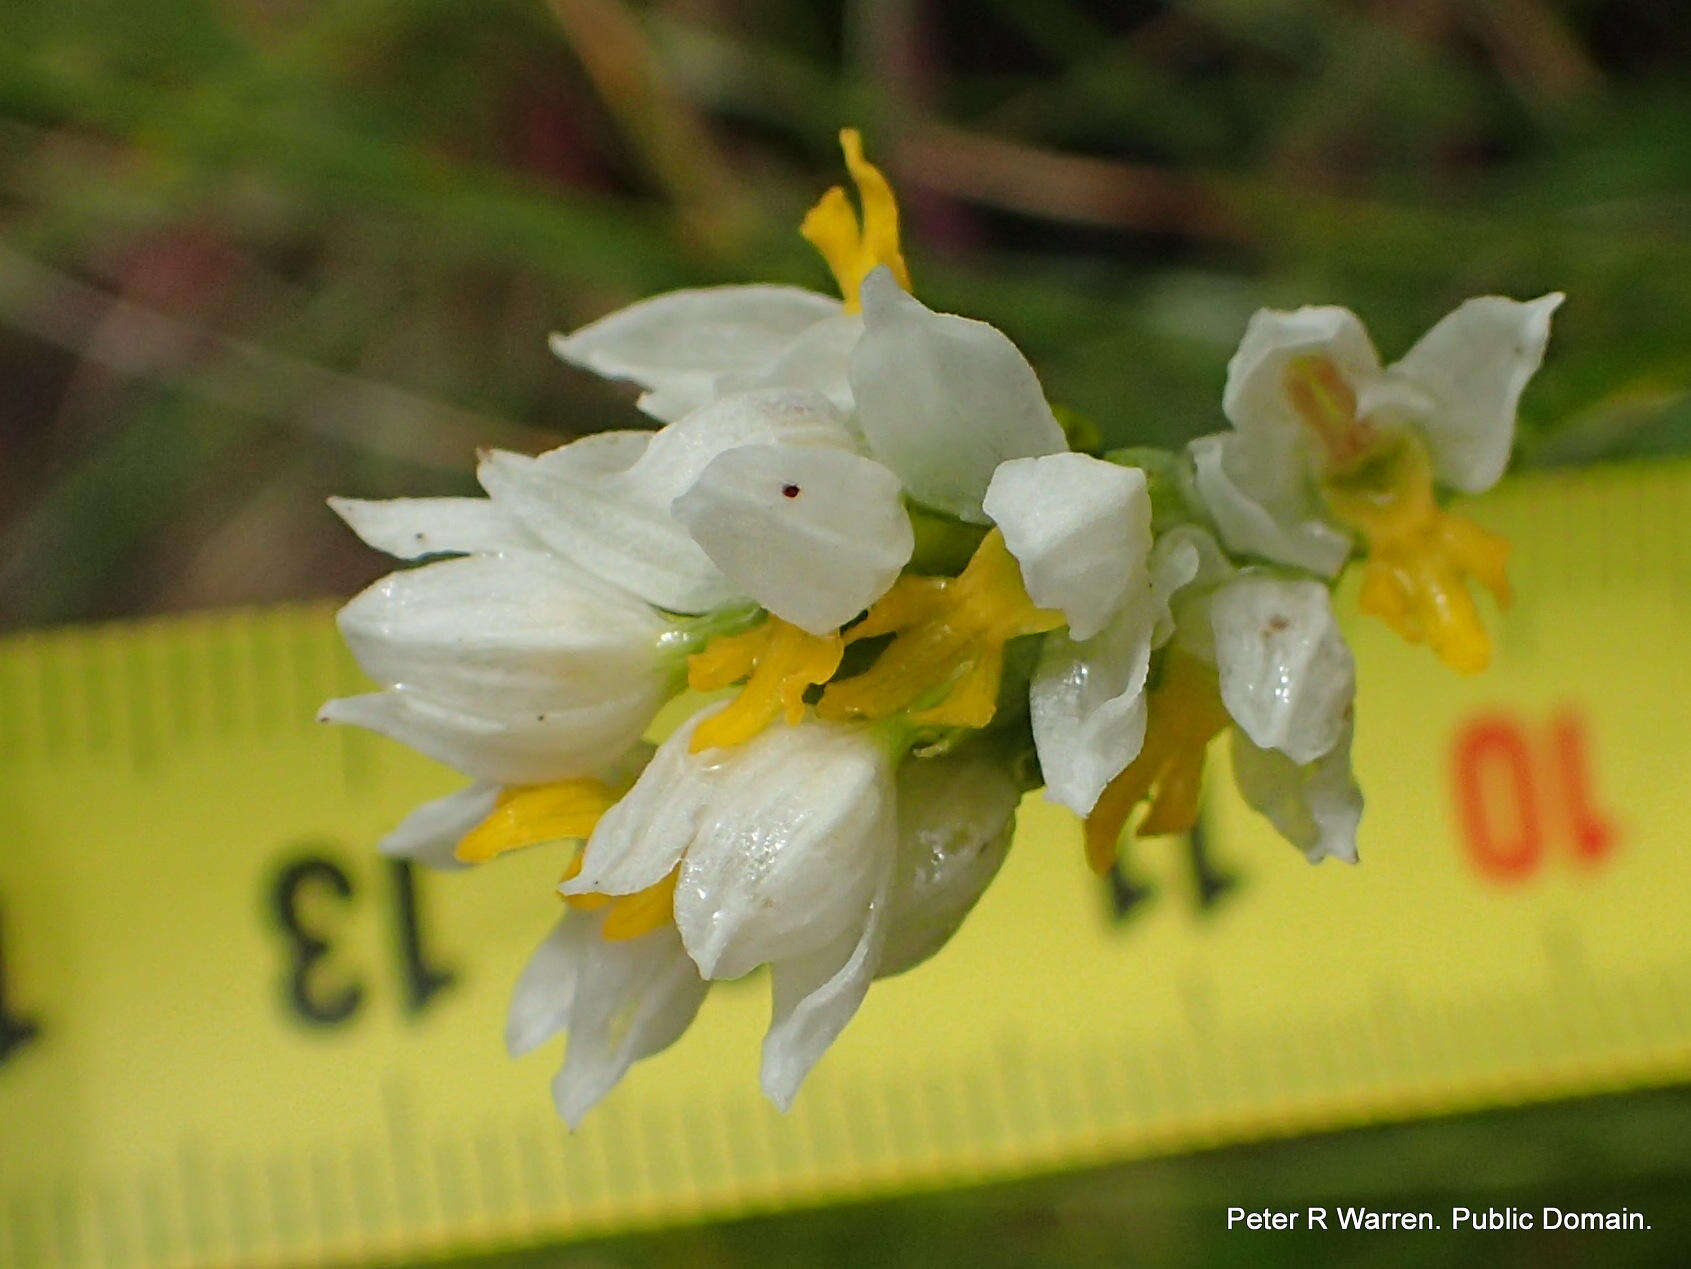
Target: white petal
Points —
{"points": [[1088, 706], [522, 634], [955, 817], [813, 996], [814, 535], [1185, 557], [1081, 530], [527, 749], [677, 344], [637, 842], [1255, 396], [613, 517], [1315, 807], [943, 400], [1290, 531], [582, 502], [818, 359], [545, 990], [801, 825], [431, 833], [632, 998], [1087, 699], [410, 528], [1475, 364], [1287, 675]]}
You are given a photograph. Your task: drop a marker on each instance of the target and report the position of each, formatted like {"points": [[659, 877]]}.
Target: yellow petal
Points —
{"points": [[1184, 713], [529, 814], [1421, 558], [788, 663], [852, 249], [946, 657]]}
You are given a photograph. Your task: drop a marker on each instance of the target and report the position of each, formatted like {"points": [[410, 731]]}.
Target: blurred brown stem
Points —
{"points": [[669, 136], [239, 375]]}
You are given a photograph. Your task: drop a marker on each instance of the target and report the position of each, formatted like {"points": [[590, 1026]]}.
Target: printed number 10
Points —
{"points": [[1512, 793]]}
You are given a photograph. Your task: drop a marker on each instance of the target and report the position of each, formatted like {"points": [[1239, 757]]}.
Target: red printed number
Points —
{"points": [[1516, 789]]}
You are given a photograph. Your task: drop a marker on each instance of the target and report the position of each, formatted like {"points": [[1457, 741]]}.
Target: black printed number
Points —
{"points": [[312, 899], [15, 1031]]}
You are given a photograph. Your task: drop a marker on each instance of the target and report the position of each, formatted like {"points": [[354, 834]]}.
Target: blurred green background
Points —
{"points": [[254, 252]]}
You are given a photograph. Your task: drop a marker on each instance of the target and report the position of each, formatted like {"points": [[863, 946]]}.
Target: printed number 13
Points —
{"points": [[314, 992]]}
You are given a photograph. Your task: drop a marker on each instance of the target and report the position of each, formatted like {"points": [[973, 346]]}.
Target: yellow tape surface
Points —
{"points": [[228, 1031]]}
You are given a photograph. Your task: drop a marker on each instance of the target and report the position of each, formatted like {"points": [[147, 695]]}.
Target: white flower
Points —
{"points": [[620, 1001], [1288, 682], [943, 400], [1080, 529], [781, 842], [516, 668], [758, 495], [1307, 395], [801, 850], [955, 816]]}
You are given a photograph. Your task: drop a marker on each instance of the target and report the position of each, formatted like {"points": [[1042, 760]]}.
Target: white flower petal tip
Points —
{"points": [[431, 833], [678, 345], [943, 400], [1287, 676], [1316, 807], [1081, 530], [1293, 533], [411, 528], [1474, 364], [814, 535], [620, 1001], [545, 990], [814, 996]]}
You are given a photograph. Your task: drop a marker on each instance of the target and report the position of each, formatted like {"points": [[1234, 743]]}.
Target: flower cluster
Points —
{"points": [[862, 540]]}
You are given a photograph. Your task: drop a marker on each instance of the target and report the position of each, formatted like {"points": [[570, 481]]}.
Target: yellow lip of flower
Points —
{"points": [[851, 249], [1420, 556], [527, 815], [533, 814], [1184, 713], [778, 662], [1378, 482], [948, 643], [629, 915]]}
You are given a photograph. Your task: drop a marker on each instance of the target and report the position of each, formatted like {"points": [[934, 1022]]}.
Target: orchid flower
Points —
{"points": [[1329, 447], [861, 537]]}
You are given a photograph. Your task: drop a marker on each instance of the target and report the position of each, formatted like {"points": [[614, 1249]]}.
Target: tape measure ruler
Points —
{"points": [[229, 1032]]}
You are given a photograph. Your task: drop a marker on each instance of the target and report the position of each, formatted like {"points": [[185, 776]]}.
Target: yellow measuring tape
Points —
{"points": [[229, 1031]]}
